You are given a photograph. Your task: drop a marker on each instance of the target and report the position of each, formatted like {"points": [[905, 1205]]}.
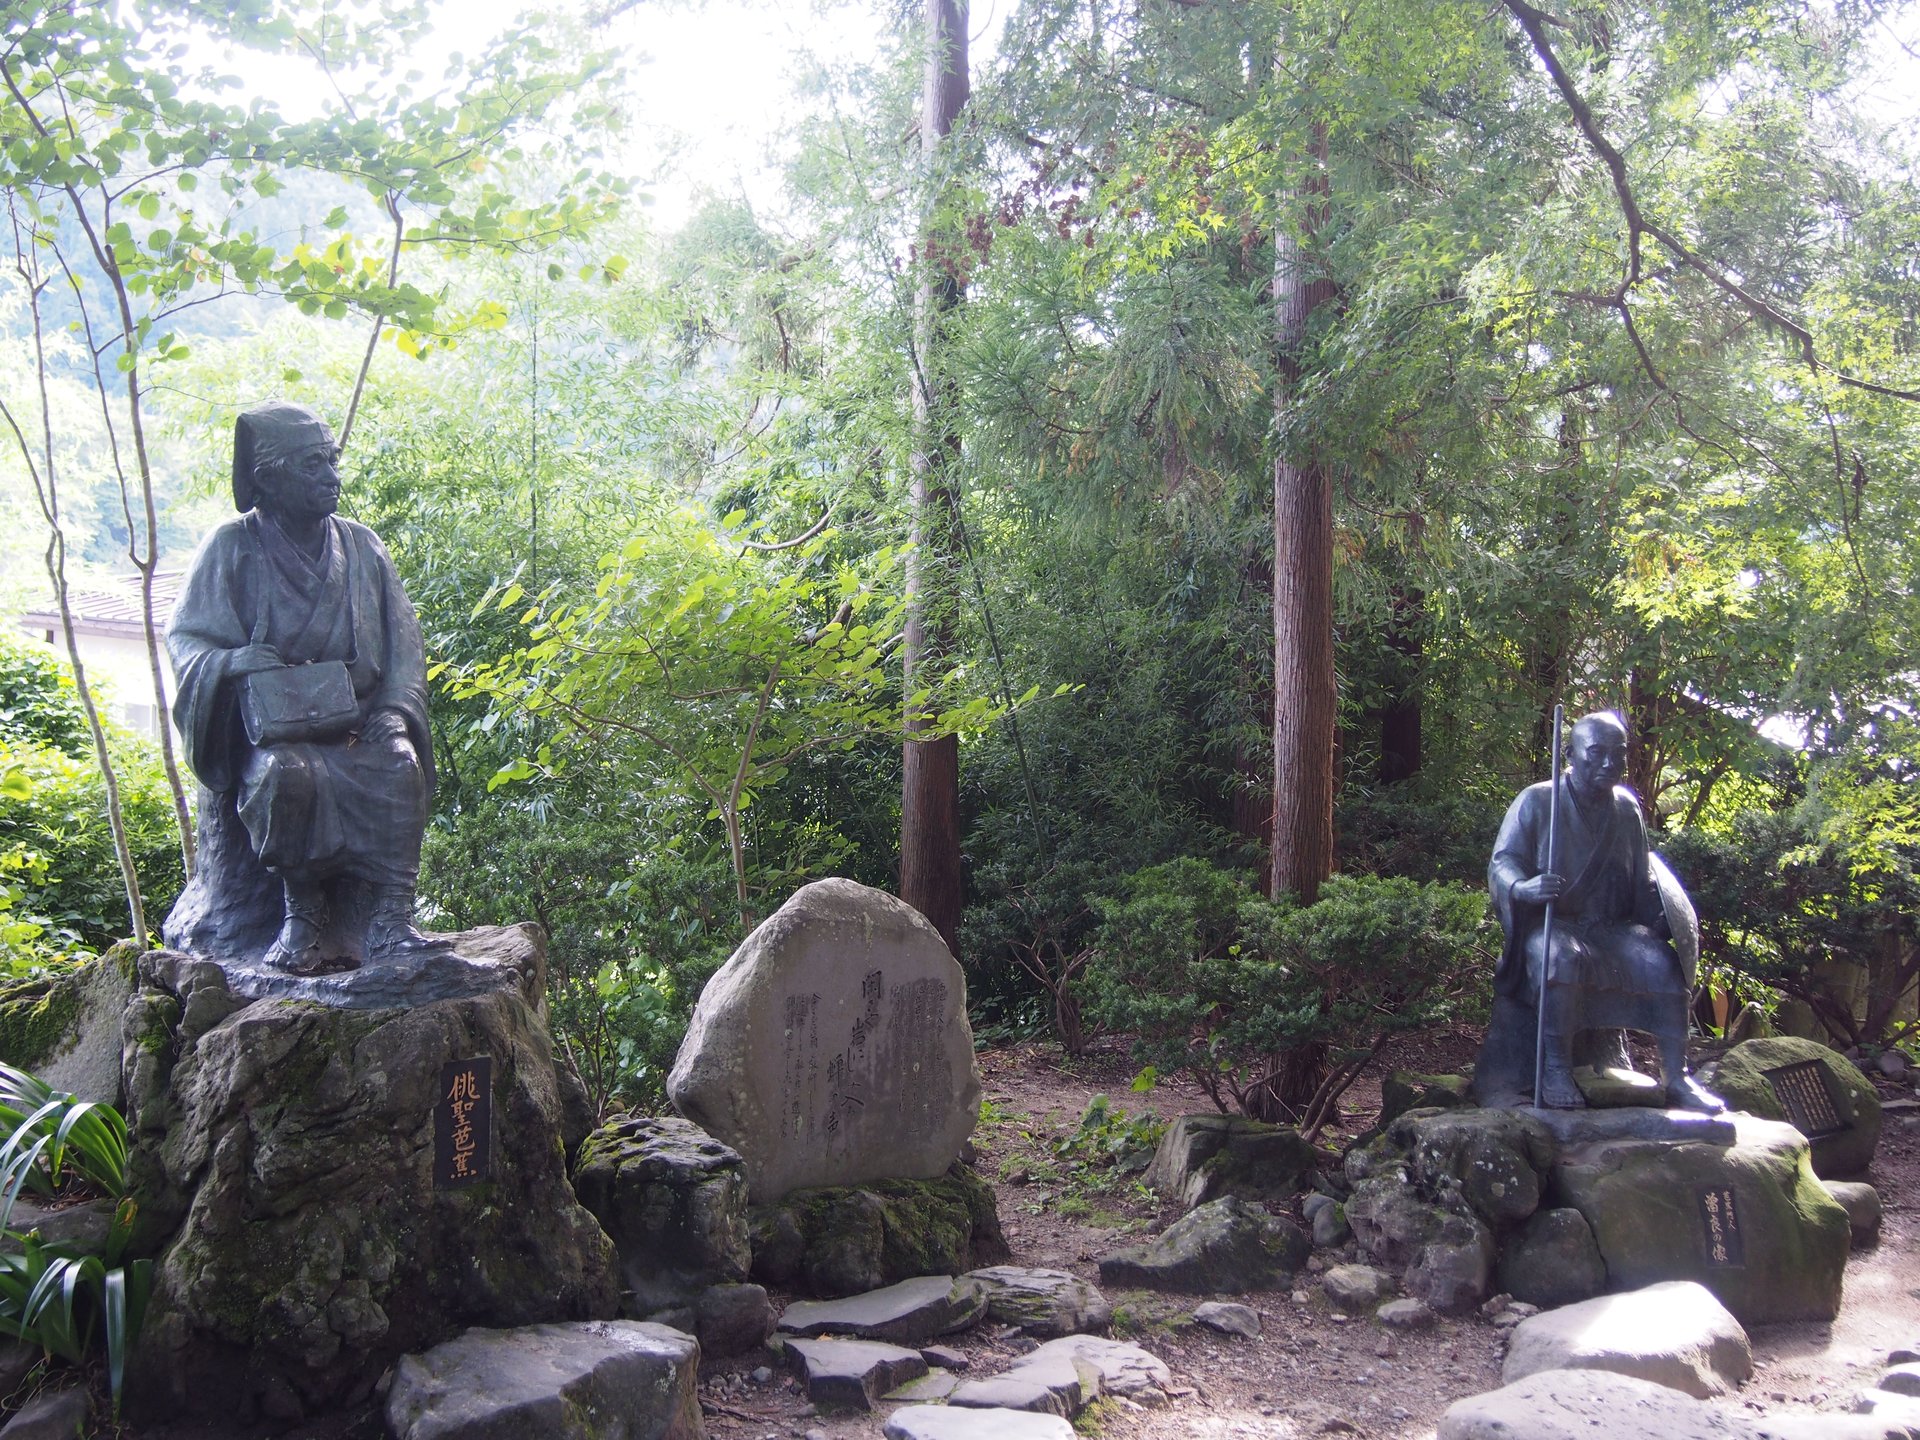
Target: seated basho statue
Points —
{"points": [[301, 703], [1617, 913]]}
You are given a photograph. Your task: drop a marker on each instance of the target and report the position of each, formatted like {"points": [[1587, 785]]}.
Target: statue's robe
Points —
{"points": [[1610, 927], [335, 810]]}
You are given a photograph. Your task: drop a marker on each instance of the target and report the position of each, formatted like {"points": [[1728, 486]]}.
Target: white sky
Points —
{"points": [[713, 84]]}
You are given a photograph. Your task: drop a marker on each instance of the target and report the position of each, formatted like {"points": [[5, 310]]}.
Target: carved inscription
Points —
{"points": [[463, 1124], [868, 1069], [1802, 1089], [1720, 1219]]}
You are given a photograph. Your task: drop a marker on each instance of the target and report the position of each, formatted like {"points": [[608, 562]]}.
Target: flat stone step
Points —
{"points": [[943, 1422], [554, 1381], [1044, 1303], [910, 1313], [851, 1372], [934, 1385], [1065, 1376]]}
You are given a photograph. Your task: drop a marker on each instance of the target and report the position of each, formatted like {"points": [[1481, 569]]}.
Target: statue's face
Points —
{"points": [[1598, 757], [307, 487]]}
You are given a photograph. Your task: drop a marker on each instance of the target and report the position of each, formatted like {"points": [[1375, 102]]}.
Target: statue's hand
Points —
{"points": [[1538, 889], [384, 725], [251, 659]]}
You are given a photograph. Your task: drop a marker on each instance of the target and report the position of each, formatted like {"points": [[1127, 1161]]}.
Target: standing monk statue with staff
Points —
{"points": [[1623, 944], [301, 701]]}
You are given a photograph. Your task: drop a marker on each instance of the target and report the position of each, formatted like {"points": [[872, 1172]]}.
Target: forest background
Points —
{"points": [[1180, 395]]}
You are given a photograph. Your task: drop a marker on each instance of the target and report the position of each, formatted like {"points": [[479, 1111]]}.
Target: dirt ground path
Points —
{"points": [[1311, 1372]]}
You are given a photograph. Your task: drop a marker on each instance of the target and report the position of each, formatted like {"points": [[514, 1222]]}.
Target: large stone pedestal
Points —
{"points": [[284, 1161], [1562, 1204]]}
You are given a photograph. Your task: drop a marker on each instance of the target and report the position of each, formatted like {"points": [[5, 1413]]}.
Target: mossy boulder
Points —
{"points": [[674, 1201], [1740, 1078], [835, 1240], [1225, 1246], [65, 1027], [1659, 1211], [1203, 1157], [1553, 1260], [1446, 1255], [1405, 1090], [284, 1158], [1488, 1162]]}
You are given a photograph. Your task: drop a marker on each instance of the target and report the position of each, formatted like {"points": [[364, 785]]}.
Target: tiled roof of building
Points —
{"points": [[111, 607]]}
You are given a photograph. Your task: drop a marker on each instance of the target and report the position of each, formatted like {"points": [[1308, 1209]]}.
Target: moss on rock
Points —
{"points": [[1740, 1078], [843, 1240]]}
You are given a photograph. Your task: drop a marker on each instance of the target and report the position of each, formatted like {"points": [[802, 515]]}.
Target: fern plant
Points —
{"points": [[60, 1294]]}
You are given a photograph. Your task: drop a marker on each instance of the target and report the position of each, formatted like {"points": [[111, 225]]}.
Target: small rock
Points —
{"points": [[52, 1415], [1353, 1288], [944, 1357], [761, 1374], [1862, 1204], [1330, 1227], [1406, 1315], [1902, 1379], [731, 1319], [1314, 1204], [1229, 1319]]}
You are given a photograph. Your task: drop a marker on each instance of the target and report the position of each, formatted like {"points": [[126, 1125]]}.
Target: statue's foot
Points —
{"points": [[296, 949], [1687, 1094], [399, 942], [1558, 1092]]}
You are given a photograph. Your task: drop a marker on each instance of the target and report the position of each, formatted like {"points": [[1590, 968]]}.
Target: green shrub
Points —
{"points": [[632, 936], [56, 847], [1224, 984], [38, 702]]}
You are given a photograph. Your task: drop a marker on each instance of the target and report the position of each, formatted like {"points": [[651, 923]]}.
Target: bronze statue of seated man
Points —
{"points": [[1617, 912], [301, 705]]}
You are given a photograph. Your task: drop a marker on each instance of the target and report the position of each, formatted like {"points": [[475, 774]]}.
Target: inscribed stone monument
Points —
{"points": [[833, 1047]]}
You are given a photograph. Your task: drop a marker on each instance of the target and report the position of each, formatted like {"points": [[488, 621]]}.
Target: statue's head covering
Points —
{"points": [[268, 434]]}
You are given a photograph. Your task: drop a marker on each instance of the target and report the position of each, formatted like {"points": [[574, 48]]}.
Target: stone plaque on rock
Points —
{"points": [[463, 1124], [833, 1047], [1802, 1089]]}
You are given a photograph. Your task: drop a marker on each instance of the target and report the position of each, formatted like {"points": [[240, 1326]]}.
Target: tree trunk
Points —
{"points": [[1644, 715], [1400, 716], [930, 874], [1304, 710], [1252, 760]]}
